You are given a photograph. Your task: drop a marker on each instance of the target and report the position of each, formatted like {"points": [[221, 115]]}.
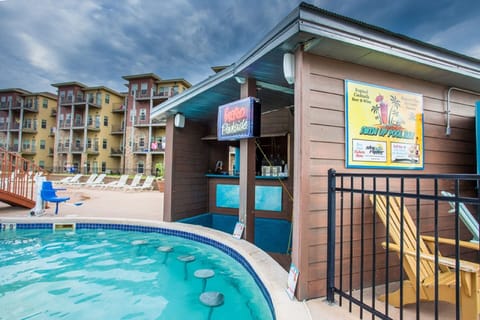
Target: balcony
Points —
{"points": [[140, 148], [78, 125], [30, 129], [118, 108], [5, 105], [117, 130], [65, 124], [16, 106], [31, 107], [141, 123], [53, 113], [66, 100], [81, 101], [116, 152], [93, 150], [159, 122], [62, 149], [77, 149], [4, 127], [13, 147], [93, 127], [29, 151]]}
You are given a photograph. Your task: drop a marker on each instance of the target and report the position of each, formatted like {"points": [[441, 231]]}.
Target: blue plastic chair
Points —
{"points": [[49, 194]]}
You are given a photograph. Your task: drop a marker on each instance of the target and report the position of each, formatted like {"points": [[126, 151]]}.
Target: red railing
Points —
{"points": [[17, 179]]}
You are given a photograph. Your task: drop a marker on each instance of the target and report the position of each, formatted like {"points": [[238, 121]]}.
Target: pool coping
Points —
{"points": [[269, 272]]}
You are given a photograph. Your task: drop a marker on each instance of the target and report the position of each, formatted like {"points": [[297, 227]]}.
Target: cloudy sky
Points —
{"points": [[96, 42]]}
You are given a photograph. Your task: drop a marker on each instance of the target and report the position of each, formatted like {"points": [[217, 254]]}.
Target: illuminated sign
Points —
{"points": [[239, 120], [384, 127]]}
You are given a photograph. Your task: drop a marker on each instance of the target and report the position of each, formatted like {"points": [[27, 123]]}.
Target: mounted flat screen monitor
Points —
{"points": [[239, 120]]}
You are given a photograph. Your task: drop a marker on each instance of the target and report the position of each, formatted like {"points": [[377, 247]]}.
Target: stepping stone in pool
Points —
{"points": [[204, 274], [139, 244], [186, 259], [166, 250], [211, 299]]}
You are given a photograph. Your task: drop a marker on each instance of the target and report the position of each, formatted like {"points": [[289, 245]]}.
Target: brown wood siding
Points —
{"points": [[320, 145], [186, 188]]}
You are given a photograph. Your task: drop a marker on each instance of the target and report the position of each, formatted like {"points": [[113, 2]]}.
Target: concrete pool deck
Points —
{"points": [[136, 207]]}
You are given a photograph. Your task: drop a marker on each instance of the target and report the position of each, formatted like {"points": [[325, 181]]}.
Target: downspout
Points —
{"points": [[448, 130]]}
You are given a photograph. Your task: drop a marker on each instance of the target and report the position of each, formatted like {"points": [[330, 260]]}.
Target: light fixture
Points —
{"points": [[289, 67], [240, 80], [179, 120]]}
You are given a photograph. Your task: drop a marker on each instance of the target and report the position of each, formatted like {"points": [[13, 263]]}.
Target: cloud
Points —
{"points": [[96, 42]]}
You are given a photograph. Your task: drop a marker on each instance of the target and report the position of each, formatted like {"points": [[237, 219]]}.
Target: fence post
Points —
{"points": [[331, 236]]}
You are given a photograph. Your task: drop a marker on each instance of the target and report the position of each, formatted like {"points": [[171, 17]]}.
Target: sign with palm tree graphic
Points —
{"points": [[384, 127]]}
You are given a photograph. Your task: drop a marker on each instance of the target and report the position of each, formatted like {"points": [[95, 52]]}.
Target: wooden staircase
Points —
{"points": [[17, 179]]}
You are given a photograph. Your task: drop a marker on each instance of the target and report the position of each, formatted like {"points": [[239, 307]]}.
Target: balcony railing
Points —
{"points": [[118, 107], [33, 107], [117, 130], [116, 152], [30, 150]]}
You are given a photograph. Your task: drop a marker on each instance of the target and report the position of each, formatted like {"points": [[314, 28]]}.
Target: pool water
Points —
{"points": [[113, 274]]}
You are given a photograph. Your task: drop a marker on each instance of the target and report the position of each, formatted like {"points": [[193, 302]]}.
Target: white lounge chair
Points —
{"points": [[97, 181], [90, 180], [120, 183], [147, 185], [67, 180], [466, 216], [135, 182]]}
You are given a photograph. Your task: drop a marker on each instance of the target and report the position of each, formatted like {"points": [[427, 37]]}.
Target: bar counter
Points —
{"points": [[271, 198]]}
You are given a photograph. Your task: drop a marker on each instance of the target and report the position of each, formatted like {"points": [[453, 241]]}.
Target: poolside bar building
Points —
{"points": [[311, 76]]}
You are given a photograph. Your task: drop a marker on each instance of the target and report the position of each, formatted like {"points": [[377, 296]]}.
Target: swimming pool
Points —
{"points": [[99, 271]]}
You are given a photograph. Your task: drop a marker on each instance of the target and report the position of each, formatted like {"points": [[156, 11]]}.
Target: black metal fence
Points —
{"points": [[402, 246]]}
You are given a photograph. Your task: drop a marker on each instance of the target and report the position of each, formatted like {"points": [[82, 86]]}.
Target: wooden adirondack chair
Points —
{"points": [[469, 272]]}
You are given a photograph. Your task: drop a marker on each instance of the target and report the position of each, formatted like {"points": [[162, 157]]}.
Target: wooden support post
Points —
{"points": [[246, 212]]}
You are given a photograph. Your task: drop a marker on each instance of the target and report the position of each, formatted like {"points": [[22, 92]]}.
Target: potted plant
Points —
{"points": [[159, 172]]}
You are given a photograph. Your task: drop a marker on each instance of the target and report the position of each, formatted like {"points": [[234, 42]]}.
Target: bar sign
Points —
{"points": [[239, 120]]}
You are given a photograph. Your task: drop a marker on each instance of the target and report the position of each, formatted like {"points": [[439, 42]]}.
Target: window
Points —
{"points": [[67, 143], [107, 98], [140, 167], [104, 166], [99, 99], [41, 164], [134, 89], [79, 97], [78, 120], [45, 103], [89, 143], [143, 89], [78, 143], [26, 144], [42, 144], [174, 90], [62, 96], [97, 121], [69, 95], [44, 124], [141, 142], [163, 91], [105, 121], [143, 114], [104, 144]]}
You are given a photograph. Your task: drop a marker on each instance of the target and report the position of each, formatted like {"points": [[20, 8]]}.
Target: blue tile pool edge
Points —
{"points": [[187, 235]]}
